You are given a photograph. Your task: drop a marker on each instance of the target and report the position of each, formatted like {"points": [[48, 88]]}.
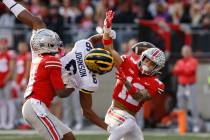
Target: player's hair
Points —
{"points": [[99, 61]]}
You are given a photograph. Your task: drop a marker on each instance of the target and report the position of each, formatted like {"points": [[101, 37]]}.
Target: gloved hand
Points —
{"points": [[112, 34], [108, 21]]}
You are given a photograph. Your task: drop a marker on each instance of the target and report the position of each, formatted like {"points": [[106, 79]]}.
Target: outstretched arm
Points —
{"points": [[95, 39], [107, 40], [24, 15]]}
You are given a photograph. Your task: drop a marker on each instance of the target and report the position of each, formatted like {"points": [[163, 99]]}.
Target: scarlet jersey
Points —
{"points": [[5, 59], [21, 66], [131, 71], [45, 78]]}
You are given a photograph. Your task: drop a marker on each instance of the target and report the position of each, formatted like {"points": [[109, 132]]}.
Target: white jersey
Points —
{"points": [[74, 70]]}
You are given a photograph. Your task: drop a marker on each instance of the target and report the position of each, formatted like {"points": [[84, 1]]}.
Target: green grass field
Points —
{"points": [[104, 137]]}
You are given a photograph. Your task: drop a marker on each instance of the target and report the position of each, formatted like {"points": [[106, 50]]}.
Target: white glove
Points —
{"points": [[112, 34]]}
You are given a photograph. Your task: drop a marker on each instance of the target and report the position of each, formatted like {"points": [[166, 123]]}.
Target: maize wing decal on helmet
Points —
{"points": [[99, 61]]}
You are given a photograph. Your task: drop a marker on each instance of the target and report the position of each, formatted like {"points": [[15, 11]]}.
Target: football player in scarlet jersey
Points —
{"points": [[23, 65], [7, 107], [45, 80], [20, 80], [136, 83]]}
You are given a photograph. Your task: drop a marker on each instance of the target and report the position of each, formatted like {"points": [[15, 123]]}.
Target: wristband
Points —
{"points": [[9, 3], [132, 90], [107, 41]]}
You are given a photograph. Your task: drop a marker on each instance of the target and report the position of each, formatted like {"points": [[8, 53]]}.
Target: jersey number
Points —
{"points": [[71, 67], [88, 46], [127, 97], [94, 79]]}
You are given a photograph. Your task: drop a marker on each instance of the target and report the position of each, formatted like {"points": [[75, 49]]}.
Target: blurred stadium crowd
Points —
{"points": [[158, 16], [88, 12]]}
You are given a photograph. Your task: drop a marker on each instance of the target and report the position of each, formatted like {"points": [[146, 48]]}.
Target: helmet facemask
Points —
{"points": [[147, 66], [151, 61]]}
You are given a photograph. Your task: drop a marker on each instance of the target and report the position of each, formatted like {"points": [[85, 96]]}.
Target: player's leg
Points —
{"points": [[18, 102], [11, 113], [48, 126], [3, 116], [120, 122], [140, 118], [11, 108], [120, 131], [181, 98], [67, 115], [136, 134], [193, 106], [77, 111], [64, 130], [7, 107], [68, 136]]}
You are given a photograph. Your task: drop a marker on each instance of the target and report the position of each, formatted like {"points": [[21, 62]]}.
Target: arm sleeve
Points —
{"points": [[53, 66], [56, 80]]}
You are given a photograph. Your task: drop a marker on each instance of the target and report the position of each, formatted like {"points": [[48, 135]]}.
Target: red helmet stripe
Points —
{"points": [[156, 53]]}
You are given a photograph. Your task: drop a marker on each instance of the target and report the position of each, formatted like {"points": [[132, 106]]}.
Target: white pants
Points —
{"points": [[7, 107], [124, 125], [187, 100], [38, 116]]}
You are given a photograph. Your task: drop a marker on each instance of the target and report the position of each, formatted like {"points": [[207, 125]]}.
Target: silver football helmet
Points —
{"points": [[45, 41], [156, 56]]}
